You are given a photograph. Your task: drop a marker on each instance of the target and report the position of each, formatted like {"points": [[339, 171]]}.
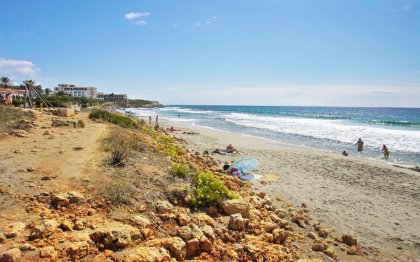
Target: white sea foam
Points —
{"points": [[336, 130], [187, 110]]}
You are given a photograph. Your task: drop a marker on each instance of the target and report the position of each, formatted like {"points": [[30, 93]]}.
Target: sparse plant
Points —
{"points": [[180, 170], [117, 191], [11, 118], [121, 142], [210, 191]]}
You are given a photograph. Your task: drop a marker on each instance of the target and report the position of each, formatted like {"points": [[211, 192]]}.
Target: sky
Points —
{"points": [[235, 52]]}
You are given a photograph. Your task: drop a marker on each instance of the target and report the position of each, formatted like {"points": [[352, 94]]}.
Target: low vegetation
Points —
{"points": [[180, 170], [143, 103], [11, 118], [117, 191], [121, 143], [114, 118], [210, 190]]}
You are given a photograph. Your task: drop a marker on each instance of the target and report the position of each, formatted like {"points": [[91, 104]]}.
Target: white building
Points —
{"points": [[77, 91]]}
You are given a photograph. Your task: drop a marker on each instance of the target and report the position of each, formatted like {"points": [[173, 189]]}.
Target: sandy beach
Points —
{"points": [[375, 201]]}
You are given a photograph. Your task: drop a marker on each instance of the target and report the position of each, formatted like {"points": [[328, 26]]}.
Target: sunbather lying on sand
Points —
{"points": [[229, 150], [190, 133], [233, 171], [172, 129]]}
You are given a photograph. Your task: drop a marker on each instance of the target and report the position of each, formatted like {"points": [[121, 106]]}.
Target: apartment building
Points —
{"points": [[77, 91]]}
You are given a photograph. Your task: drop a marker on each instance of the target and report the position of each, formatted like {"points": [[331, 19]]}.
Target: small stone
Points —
{"points": [[234, 206], [30, 169], [349, 240], [354, 251], [141, 221], [44, 229], [80, 224], [318, 246], [66, 225], [164, 206], [183, 219], [193, 246], [11, 255], [18, 151], [205, 244], [279, 236], [236, 222], [48, 252], [27, 247], [185, 233], [78, 148], [311, 235], [330, 251]]}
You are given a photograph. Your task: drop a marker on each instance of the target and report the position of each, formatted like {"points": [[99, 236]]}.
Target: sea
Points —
{"points": [[330, 129]]}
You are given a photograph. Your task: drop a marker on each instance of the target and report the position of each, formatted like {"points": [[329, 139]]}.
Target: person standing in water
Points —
{"points": [[385, 151], [359, 144]]}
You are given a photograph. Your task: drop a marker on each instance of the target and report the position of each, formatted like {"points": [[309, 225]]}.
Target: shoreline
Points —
{"points": [[372, 199]]}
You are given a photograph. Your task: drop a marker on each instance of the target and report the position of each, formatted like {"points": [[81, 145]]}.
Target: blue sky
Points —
{"points": [[256, 52]]}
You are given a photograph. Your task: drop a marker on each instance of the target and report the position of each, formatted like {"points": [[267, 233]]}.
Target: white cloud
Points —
{"points": [[134, 15], [20, 67], [140, 23], [407, 7], [198, 24], [208, 21], [214, 17]]}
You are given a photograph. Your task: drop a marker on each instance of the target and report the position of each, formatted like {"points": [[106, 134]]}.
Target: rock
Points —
{"points": [[236, 222], [208, 232], [143, 254], [234, 206], [311, 235], [354, 251], [203, 218], [60, 199], [330, 251], [2, 237], [11, 255], [44, 229], [75, 197], [193, 246], [78, 148], [80, 224], [205, 244], [66, 225], [27, 247], [279, 236], [115, 235], [140, 221], [299, 219], [318, 246], [185, 233], [177, 248], [18, 151], [183, 219], [14, 229], [30, 169], [270, 227], [48, 252], [349, 240], [48, 133], [212, 211], [76, 250], [281, 213], [163, 207], [20, 133]]}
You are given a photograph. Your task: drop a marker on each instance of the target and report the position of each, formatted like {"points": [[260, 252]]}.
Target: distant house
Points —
{"points": [[15, 93], [117, 98], [77, 91]]}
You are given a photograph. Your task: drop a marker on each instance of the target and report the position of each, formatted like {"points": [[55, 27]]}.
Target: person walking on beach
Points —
{"points": [[359, 144], [157, 118], [150, 120], [385, 151]]}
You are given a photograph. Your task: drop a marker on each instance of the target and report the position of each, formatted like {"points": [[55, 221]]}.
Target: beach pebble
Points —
{"points": [[236, 222], [11, 255], [349, 240]]}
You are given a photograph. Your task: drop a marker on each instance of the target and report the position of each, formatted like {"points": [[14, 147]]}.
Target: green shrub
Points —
{"points": [[114, 118], [210, 191], [180, 170], [80, 123]]}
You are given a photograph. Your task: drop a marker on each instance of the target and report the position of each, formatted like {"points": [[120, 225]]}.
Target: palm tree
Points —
{"points": [[5, 81]]}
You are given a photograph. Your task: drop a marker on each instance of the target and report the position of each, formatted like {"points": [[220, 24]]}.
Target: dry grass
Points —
{"points": [[121, 143], [10, 118]]}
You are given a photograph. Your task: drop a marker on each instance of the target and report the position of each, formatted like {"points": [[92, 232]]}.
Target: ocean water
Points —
{"points": [[331, 129]]}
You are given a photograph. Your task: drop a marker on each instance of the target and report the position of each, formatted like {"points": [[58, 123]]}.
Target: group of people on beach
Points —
{"points": [[7, 100], [360, 144]]}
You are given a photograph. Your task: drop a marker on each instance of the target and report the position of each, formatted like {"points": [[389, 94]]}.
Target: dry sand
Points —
{"points": [[377, 202]]}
